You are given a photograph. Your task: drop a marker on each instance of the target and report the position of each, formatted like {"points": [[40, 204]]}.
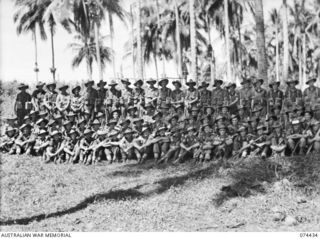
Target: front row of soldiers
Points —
{"points": [[167, 133]]}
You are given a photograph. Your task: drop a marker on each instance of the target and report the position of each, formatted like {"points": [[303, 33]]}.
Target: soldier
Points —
{"points": [[23, 103], [191, 94], [177, 93], [296, 138], [91, 97], [50, 97], [206, 139], [127, 93], [76, 101], [8, 140], [259, 95], [261, 145], [275, 95], [152, 92], [241, 142], [102, 94], [278, 139], [86, 147], [38, 97], [126, 144], [188, 145], [25, 141], [55, 148], [63, 99], [219, 95], [111, 147], [138, 92], [205, 95], [71, 148], [165, 93], [314, 137], [312, 96], [41, 144], [292, 95], [114, 94], [233, 97], [246, 96]]}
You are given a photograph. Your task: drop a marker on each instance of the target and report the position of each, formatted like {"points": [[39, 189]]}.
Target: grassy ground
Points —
{"points": [[130, 197]]}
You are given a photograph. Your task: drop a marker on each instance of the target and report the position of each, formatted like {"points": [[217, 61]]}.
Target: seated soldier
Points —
{"points": [[126, 144], [72, 149], [224, 143], [206, 139], [278, 139], [241, 145], [188, 145], [86, 147], [111, 147], [314, 137], [54, 150], [161, 148], [174, 149], [41, 144], [7, 142], [296, 138], [99, 146], [261, 145], [25, 141]]}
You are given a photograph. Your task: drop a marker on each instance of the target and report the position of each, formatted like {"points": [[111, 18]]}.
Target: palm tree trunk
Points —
{"points": [[132, 43], [111, 43], [227, 37], [156, 65], [304, 61], [193, 42], [285, 42], [212, 70], [300, 65], [260, 41], [162, 42], [277, 54], [139, 45], [53, 68], [96, 36], [178, 39], [36, 69]]}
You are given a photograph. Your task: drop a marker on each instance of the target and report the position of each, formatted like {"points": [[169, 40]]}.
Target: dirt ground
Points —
{"points": [[131, 197]]}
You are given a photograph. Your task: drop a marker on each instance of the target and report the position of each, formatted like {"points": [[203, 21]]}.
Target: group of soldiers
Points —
{"points": [[150, 121]]}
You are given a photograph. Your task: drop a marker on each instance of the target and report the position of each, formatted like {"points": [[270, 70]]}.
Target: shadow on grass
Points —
{"points": [[132, 193]]}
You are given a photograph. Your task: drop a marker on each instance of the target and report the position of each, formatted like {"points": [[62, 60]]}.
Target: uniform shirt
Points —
{"points": [[151, 94], [76, 103], [219, 96], [101, 95], [91, 96], [177, 95], [50, 98], [165, 94], [260, 97], [292, 95], [311, 95], [246, 96], [205, 96], [191, 95], [273, 96], [22, 99], [37, 99], [127, 95]]}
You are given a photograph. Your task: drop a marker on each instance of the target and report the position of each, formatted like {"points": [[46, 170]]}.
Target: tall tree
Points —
{"points": [[285, 41], [193, 42]]}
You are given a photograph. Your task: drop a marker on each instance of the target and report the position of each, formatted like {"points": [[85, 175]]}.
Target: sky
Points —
{"points": [[17, 52]]}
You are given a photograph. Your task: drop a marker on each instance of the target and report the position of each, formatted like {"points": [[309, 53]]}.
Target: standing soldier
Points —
{"points": [[205, 95], [77, 100], [259, 96], [38, 97], [63, 99], [50, 97], [23, 103], [114, 94], [177, 93], [312, 97], [246, 95], [127, 93], [233, 97], [292, 94], [138, 94], [275, 95], [218, 94], [191, 94], [101, 96], [164, 93], [152, 92], [91, 97]]}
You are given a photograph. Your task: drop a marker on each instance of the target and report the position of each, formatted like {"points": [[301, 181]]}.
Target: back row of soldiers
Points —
{"points": [[164, 124]]}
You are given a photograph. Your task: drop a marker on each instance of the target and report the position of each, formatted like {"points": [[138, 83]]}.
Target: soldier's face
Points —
{"points": [[71, 118], [209, 111], [180, 110], [260, 132], [275, 87], [173, 121], [68, 127], [26, 131], [224, 110], [307, 115], [51, 88], [146, 133], [243, 133], [222, 132], [95, 127], [234, 121], [296, 127], [73, 136], [115, 115], [315, 128], [207, 129], [194, 113], [10, 133]]}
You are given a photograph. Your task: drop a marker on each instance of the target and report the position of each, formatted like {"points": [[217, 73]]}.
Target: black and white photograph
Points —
{"points": [[159, 116]]}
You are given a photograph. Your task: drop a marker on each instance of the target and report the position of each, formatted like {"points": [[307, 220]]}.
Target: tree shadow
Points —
{"points": [[133, 193]]}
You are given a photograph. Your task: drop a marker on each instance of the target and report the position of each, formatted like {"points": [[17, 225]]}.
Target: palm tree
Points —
{"points": [[275, 19], [260, 41], [28, 19], [85, 49], [285, 41]]}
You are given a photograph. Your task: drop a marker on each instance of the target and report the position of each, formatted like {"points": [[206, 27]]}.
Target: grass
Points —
{"points": [[120, 197]]}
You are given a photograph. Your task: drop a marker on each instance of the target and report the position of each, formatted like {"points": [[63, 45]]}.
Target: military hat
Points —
{"points": [[81, 120], [101, 132], [87, 131], [257, 109], [24, 126], [245, 81], [89, 82], [26, 117], [99, 114], [71, 114], [176, 82], [51, 122], [113, 133], [65, 122], [57, 116], [144, 129], [138, 82], [274, 117], [112, 121], [204, 84], [253, 119], [180, 105], [113, 82], [137, 120], [51, 84], [128, 131], [101, 83], [205, 125], [23, 86], [73, 131], [64, 87], [312, 78], [191, 82], [194, 108], [149, 105], [163, 80], [76, 88], [125, 121], [314, 122], [151, 81], [40, 84], [33, 112], [231, 84], [126, 81], [55, 132], [42, 131], [295, 122], [261, 127], [240, 107], [292, 81], [222, 126], [242, 128], [116, 110], [39, 121], [87, 111], [164, 106], [259, 79], [276, 125], [208, 106], [190, 128], [219, 117], [96, 122], [158, 113], [10, 128], [234, 116], [297, 108], [217, 81], [273, 83]]}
